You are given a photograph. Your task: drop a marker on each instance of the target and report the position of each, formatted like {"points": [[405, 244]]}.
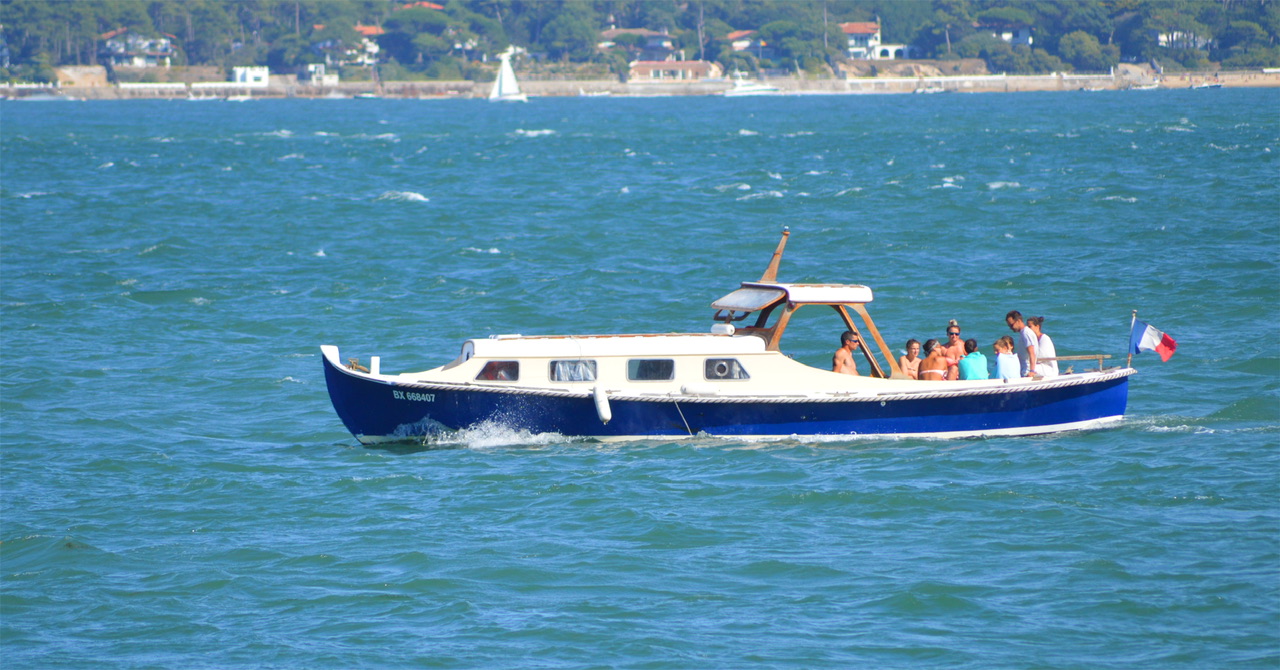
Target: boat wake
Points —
{"points": [[491, 435]]}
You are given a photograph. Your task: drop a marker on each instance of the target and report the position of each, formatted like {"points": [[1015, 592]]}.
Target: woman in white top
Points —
{"points": [[1044, 349]]}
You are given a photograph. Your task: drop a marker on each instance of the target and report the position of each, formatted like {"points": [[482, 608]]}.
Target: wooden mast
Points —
{"points": [[771, 272]]}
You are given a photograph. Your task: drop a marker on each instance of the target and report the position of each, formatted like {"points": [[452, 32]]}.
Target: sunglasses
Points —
{"points": [[956, 334]]}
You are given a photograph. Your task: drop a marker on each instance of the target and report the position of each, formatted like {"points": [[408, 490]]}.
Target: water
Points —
{"points": [[177, 491]]}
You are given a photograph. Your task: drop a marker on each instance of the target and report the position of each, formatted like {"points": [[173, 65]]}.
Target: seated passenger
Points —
{"points": [[910, 363], [1044, 349], [934, 366], [1007, 366], [974, 364], [842, 361], [955, 349]]}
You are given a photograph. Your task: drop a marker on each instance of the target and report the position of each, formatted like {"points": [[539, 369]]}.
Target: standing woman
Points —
{"points": [[1044, 349], [910, 363]]}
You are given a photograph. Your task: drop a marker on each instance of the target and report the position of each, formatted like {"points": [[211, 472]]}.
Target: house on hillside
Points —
{"points": [[338, 52], [126, 48], [1182, 40], [864, 43], [1013, 33], [750, 42], [653, 45], [673, 72]]}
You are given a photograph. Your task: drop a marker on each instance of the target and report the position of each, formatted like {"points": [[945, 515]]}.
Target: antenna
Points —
{"points": [[771, 272]]}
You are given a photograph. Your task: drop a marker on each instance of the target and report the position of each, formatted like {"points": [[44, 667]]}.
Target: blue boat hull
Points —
{"points": [[378, 410]]}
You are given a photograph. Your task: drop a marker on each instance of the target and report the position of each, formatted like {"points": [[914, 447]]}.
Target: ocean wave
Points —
{"points": [[737, 187], [490, 250], [1120, 198], [996, 185], [762, 194], [747, 133], [852, 189], [521, 132], [403, 196]]}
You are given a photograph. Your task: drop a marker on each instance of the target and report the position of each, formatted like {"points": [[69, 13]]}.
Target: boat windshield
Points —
{"points": [[749, 299]]}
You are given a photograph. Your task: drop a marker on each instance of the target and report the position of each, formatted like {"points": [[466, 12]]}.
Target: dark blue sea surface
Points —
{"points": [[177, 491]]}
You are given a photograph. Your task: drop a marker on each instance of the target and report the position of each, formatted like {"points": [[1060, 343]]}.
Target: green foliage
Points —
{"points": [[283, 34], [1083, 52]]}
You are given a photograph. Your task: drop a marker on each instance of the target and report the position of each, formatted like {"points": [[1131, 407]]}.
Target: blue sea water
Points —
{"points": [[176, 491]]}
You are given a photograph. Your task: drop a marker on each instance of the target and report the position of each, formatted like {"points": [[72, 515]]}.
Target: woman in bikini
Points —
{"points": [[910, 363], [934, 365]]}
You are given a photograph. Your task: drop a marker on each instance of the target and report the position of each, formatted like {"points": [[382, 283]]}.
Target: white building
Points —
{"points": [[864, 43], [1011, 34], [256, 76], [315, 75]]}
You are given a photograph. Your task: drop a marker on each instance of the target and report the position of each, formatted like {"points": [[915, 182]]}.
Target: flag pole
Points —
{"points": [[1132, 323]]}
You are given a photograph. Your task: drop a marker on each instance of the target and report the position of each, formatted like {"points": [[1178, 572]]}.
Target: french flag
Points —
{"points": [[1143, 337]]}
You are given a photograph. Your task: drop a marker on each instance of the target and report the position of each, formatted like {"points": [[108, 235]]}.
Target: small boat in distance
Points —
{"points": [[505, 87], [733, 381], [742, 86]]}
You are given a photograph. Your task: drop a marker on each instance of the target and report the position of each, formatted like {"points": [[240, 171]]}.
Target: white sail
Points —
{"points": [[505, 87]]}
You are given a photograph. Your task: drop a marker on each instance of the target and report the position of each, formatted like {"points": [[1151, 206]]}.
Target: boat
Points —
{"points": [[742, 86], [732, 381], [505, 87]]}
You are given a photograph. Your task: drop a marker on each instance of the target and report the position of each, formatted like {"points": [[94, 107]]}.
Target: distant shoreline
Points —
{"points": [[1123, 79]]}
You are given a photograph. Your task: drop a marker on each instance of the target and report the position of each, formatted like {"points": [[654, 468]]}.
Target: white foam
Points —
{"points": [[996, 185], [490, 435], [534, 133], [404, 196], [747, 133], [320, 254], [762, 194], [490, 250]]}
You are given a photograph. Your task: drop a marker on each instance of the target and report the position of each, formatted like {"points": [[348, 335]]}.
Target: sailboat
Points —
{"points": [[505, 87]]}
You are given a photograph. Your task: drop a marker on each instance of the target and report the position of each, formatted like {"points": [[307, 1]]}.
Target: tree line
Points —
{"points": [[445, 39]]}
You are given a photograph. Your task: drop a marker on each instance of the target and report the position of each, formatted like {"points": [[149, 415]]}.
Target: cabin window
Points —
{"points": [[573, 371], [725, 368], [651, 369], [505, 371]]}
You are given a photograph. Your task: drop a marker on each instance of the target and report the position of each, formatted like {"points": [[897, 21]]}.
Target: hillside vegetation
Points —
{"points": [[451, 40]]}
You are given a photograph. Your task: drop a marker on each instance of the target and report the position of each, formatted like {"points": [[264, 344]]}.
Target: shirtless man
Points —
{"points": [[843, 360], [934, 365]]}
